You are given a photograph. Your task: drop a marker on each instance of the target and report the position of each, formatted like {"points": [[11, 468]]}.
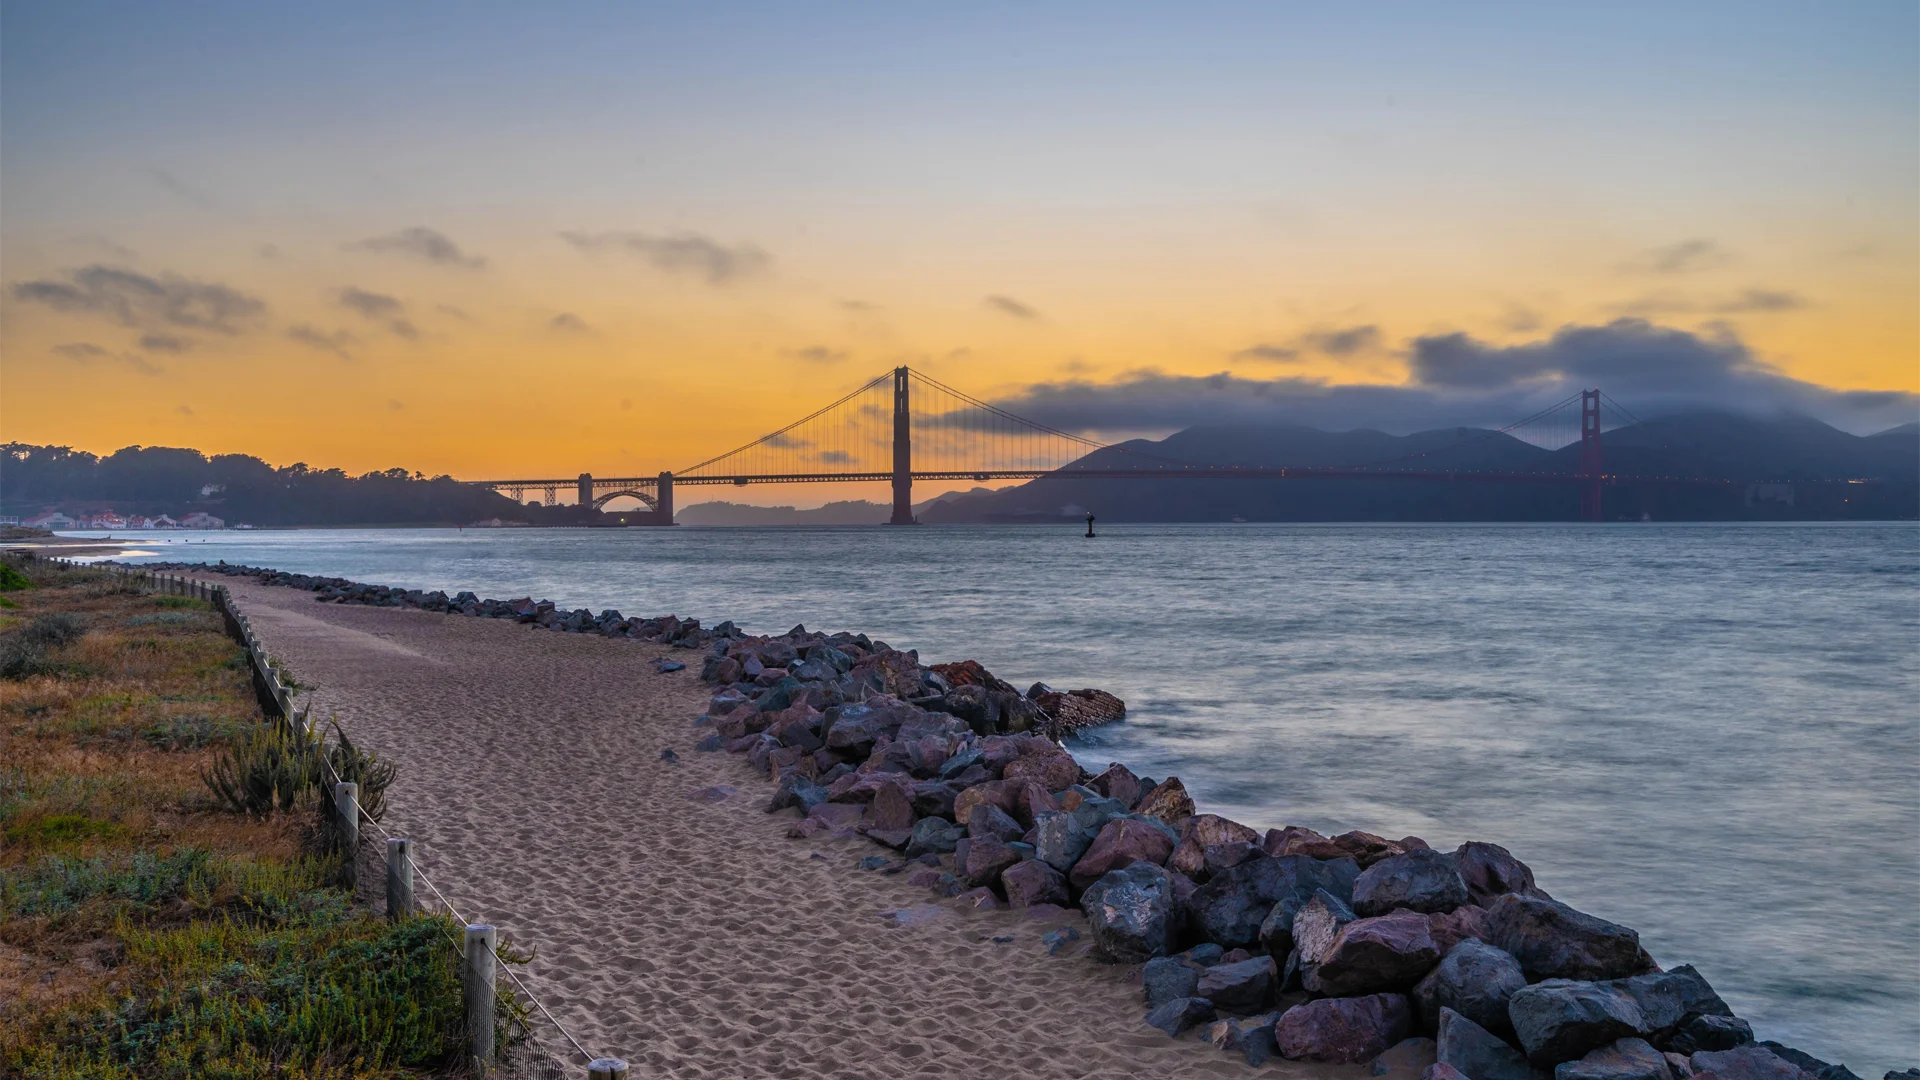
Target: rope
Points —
{"points": [[768, 438]]}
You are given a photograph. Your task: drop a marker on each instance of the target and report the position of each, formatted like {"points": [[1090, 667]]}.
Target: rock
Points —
{"points": [[1317, 927], [1682, 1069], [984, 858], [1710, 1033], [1243, 987], [989, 820], [1387, 952], [1061, 837], [1450, 928], [1404, 1060], [1667, 999], [873, 862], [797, 790], [980, 899], [1031, 882], [1300, 840], [1746, 1063], [1367, 849], [1423, 880], [1564, 1019], [891, 810], [974, 705], [1232, 907], [934, 798], [1251, 1037], [1053, 769], [961, 762], [1179, 1015], [933, 835], [1200, 832], [1625, 1059], [1475, 980], [1491, 872], [1121, 842], [669, 756], [1820, 1069], [1205, 954], [710, 743], [1131, 912], [1167, 977], [1219, 858], [1059, 939], [1437, 1071], [1343, 1030], [1477, 1052], [1169, 802], [1118, 782], [1553, 941]]}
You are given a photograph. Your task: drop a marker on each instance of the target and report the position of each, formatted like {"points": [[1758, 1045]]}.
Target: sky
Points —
{"points": [[537, 240]]}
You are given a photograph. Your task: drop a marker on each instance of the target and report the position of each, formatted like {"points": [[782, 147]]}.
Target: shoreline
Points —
{"points": [[880, 717]]}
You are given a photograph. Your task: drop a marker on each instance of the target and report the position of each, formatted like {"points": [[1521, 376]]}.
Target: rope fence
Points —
{"points": [[478, 956]]}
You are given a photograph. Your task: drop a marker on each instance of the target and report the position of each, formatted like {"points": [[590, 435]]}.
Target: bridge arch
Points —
{"points": [[600, 501]]}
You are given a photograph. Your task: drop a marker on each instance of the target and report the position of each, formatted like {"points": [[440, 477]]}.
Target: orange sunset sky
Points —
{"points": [[530, 240]]}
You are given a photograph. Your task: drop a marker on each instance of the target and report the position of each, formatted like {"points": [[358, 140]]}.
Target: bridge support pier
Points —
{"points": [[902, 451], [1592, 469], [663, 507]]}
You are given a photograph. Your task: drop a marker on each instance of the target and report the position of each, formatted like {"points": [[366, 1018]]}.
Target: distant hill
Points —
{"points": [[847, 512], [1760, 454]]}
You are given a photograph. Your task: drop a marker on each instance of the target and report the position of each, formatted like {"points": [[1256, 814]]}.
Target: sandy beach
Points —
{"points": [[691, 937]]}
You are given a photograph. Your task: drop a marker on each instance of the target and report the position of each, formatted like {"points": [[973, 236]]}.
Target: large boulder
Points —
{"points": [[1118, 782], [1121, 842], [1343, 1030], [1244, 987], [989, 820], [1554, 941], [892, 811], [933, 836], [1386, 952], [1710, 1033], [1407, 1059], [1231, 908], [1450, 928], [1132, 912], [1491, 872], [1050, 767], [1669, 999], [1317, 927], [1018, 799], [1168, 801], [1564, 1019], [1167, 977], [1060, 838], [984, 858], [1177, 1016], [1475, 980], [1746, 1063], [1300, 840], [1201, 832], [1422, 880], [1478, 1052], [1625, 1059], [1030, 881]]}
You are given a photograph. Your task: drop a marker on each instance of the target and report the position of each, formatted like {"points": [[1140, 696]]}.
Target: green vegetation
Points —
{"points": [[11, 579], [157, 925]]}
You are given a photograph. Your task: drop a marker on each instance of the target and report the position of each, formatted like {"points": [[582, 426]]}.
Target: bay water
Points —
{"points": [[1710, 733]]}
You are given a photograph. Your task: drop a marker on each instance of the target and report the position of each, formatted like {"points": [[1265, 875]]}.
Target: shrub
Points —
{"points": [[267, 768], [365, 768], [54, 630], [11, 578]]}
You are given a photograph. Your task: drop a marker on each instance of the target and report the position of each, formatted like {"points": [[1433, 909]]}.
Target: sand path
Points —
{"points": [[690, 937]]}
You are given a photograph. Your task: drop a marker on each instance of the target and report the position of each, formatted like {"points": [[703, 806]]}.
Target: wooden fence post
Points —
{"points": [[479, 988], [399, 878], [346, 798], [606, 1069]]}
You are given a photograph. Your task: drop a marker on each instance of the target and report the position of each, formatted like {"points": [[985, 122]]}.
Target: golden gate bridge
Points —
{"points": [[905, 426]]}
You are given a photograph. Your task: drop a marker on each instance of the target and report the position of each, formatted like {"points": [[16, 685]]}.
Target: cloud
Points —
{"points": [[1761, 300], [337, 342], [1344, 341], [817, 354], [165, 343], [268, 251], [858, 306], [182, 189], [420, 242], [835, 457], [381, 308], [1458, 380], [1007, 305], [679, 253], [183, 410], [85, 352], [1747, 301], [449, 309], [568, 323], [146, 302], [1682, 257]]}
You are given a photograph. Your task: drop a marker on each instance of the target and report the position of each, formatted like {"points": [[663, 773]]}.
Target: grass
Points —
{"points": [[144, 931]]}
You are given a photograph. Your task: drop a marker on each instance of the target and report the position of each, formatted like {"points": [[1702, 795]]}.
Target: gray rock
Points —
{"points": [[1710, 1033], [1058, 939], [796, 790], [1179, 1015], [1060, 838], [1478, 1052], [1131, 912], [1668, 998], [1746, 1063], [1406, 1059], [1563, 1019], [1251, 1037], [1167, 977], [1244, 988], [1475, 980], [1820, 1069], [1386, 952], [1626, 1059], [1421, 880], [986, 819], [1553, 941], [933, 835], [1232, 907], [1317, 927]]}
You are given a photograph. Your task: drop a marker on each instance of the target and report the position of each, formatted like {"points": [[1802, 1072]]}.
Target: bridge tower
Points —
{"points": [[663, 504], [586, 489], [902, 451], [1591, 468]]}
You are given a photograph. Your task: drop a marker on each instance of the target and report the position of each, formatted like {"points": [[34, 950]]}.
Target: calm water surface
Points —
{"points": [[1709, 733]]}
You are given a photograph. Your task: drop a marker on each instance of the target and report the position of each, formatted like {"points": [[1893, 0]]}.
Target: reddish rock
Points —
{"points": [[1220, 858], [1053, 770], [1121, 842], [1491, 872], [1004, 794], [806, 828], [985, 857], [1118, 782], [1031, 882], [892, 811], [1450, 928], [1343, 1030], [1169, 802], [1202, 831], [1387, 952], [1368, 849], [1300, 840], [970, 673]]}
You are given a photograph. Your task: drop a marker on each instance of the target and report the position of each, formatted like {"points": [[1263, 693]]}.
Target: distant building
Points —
{"points": [[201, 520], [10, 519], [137, 522], [52, 519], [163, 522], [107, 521]]}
